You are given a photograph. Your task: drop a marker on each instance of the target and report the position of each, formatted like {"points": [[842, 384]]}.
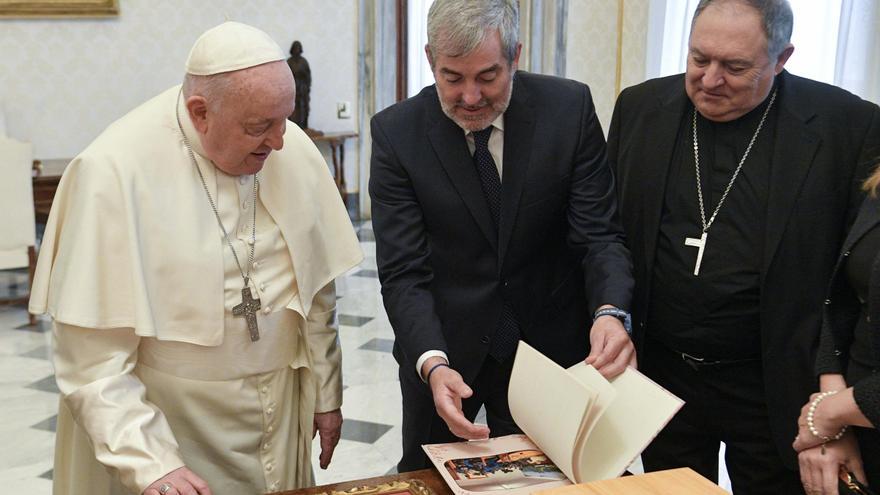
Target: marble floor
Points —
{"points": [[370, 444]]}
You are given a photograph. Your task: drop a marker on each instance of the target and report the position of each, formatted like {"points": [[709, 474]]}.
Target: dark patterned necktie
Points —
{"points": [[507, 333]]}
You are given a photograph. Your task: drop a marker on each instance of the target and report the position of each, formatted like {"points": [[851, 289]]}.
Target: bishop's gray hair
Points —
{"points": [[776, 18], [457, 27]]}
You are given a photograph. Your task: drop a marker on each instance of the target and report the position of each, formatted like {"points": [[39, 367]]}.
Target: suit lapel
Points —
{"points": [[449, 144], [658, 150], [519, 130], [868, 217], [793, 152]]}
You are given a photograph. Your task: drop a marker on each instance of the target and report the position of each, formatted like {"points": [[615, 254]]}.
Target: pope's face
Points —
{"points": [[475, 88], [728, 70], [251, 120]]}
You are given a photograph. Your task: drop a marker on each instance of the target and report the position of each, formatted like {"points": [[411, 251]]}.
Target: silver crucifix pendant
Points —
{"points": [[248, 308], [700, 244]]}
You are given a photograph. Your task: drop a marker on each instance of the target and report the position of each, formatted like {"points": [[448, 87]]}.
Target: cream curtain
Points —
{"points": [[858, 49]]}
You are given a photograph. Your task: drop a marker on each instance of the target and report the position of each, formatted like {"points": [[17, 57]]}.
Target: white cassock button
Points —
{"points": [[269, 467], [265, 389], [269, 411], [269, 429], [256, 264], [267, 445], [250, 241], [267, 309], [263, 287], [275, 486], [244, 205]]}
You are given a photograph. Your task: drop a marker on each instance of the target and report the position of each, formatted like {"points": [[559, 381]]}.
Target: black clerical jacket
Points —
{"points": [[825, 140]]}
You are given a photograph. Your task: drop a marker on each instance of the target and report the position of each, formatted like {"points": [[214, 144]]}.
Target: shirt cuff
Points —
{"points": [[424, 357]]}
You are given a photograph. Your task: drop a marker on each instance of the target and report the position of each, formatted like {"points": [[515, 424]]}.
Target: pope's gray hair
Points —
{"points": [[213, 88], [776, 19], [457, 27]]}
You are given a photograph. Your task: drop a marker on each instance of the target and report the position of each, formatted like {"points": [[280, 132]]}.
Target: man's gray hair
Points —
{"points": [[213, 88], [457, 27], [776, 17]]}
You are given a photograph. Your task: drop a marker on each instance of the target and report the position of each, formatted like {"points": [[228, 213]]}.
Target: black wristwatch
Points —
{"points": [[618, 313]]}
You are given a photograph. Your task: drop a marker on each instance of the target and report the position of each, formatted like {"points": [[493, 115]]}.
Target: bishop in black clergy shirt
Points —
{"points": [[737, 182], [495, 220]]}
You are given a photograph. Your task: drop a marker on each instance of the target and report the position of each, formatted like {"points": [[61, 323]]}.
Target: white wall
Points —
{"points": [[63, 81]]}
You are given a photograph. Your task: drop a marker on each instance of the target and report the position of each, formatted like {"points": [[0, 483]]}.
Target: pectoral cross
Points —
{"points": [[248, 308], [700, 244]]}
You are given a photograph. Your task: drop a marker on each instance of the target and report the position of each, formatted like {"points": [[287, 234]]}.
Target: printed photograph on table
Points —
{"points": [[503, 471]]}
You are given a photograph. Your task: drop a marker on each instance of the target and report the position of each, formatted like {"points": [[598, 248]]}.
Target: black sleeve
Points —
{"points": [[402, 252], [594, 224]]}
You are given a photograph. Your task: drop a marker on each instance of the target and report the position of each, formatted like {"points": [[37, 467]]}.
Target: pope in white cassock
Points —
{"points": [[189, 264]]}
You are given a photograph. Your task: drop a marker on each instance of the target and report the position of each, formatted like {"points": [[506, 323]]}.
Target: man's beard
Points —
{"points": [[474, 123]]}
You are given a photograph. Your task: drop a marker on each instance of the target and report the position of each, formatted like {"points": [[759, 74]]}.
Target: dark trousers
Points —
{"points": [[723, 403], [422, 424]]}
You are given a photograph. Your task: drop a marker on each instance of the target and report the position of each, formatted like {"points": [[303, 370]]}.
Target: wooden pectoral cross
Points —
{"points": [[248, 308], [700, 244]]}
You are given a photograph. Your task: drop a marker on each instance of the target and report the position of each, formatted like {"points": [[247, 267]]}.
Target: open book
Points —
{"points": [[578, 427]]}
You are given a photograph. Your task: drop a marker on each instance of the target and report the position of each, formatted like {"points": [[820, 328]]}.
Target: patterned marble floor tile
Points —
{"points": [[363, 431], [380, 345], [42, 352], [367, 273], [354, 321], [46, 384], [48, 424]]}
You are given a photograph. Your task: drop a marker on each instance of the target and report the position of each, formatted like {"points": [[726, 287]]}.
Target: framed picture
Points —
{"points": [[407, 487], [58, 8]]}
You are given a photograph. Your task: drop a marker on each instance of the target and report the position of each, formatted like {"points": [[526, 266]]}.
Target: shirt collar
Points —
{"points": [[498, 123]]}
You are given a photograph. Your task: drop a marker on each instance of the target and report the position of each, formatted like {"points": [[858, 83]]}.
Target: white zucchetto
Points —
{"points": [[229, 47]]}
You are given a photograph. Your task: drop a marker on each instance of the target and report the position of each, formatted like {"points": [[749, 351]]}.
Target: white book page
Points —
{"points": [[640, 410], [591, 378], [549, 404]]}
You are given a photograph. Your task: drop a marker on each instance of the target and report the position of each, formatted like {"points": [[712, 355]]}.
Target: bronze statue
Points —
{"points": [[299, 66]]}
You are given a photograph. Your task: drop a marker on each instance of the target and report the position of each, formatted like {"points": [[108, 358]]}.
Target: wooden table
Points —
{"points": [[681, 481], [47, 174], [430, 477], [336, 140]]}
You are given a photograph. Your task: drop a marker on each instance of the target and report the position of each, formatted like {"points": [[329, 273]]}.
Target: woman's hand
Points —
{"points": [[820, 465]]}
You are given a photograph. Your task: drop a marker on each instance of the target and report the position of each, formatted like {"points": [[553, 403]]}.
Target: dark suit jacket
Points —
{"points": [[559, 253], [843, 310], [823, 141]]}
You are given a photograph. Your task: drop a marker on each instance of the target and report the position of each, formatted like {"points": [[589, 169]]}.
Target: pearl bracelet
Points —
{"points": [[812, 410]]}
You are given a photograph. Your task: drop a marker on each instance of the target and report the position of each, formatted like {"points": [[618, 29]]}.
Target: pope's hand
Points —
{"points": [[448, 389], [611, 349], [181, 481], [329, 426]]}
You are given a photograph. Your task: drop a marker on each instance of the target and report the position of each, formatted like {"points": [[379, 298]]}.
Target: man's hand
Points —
{"points": [[181, 481], [448, 389], [329, 426], [820, 465], [611, 349]]}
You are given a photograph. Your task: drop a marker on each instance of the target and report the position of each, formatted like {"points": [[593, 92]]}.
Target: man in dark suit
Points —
{"points": [[736, 182], [495, 221]]}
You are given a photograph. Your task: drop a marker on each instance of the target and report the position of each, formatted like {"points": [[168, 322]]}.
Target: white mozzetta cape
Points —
{"points": [[154, 264]]}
